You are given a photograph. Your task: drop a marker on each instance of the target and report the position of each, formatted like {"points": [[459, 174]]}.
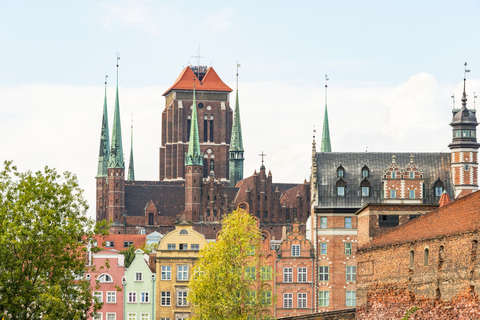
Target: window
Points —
{"points": [[144, 297], [132, 316], [166, 272], [301, 274], [340, 172], [295, 250], [394, 175], [288, 300], [110, 244], [438, 191], [182, 273], [251, 251], [211, 129], [111, 316], [351, 299], [171, 246], [411, 194], [457, 133], [97, 316], [144, 316], [127, 244], [98, 296], [132, 297], [301, 300], [251, 295], [351, 274], [425, 257], [341, 191], [323, 298], [411, 175], [348, 223], [195, 247], [183, 246], [182, 298], [365, 173], [472, 133], [205, 130], [266, 298], [323, 248], [323, 222], [250, 271], [388, 220], [105, 278], [164, 318], [393, 194], [323, 273], [466, 133], [413, 216], [165, 300], [412, 259], [348, 248], [365, 191], [111, 297], [287, 274], [467, 167], [183, 232], [138, 276], [266, 273]]}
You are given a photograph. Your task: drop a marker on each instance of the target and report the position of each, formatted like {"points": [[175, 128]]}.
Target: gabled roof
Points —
{"points": [[210, 82]]}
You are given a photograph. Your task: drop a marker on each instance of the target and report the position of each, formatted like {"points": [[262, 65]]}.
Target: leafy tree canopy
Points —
{"points": [[129, 255], [225, 282], [43, 234]]}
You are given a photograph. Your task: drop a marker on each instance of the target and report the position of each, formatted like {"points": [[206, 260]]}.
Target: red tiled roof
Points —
{"points": [[118, 239], [459, 216], [289, 197], [210, 82], [444, 199]]}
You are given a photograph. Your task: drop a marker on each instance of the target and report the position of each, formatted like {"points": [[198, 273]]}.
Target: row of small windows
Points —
{"points": [[324, 273], [341, 191], [350, 298], [464, 133], [441, 255], [341, 172], [347, 222], [207, 134], [324, 247], [183, 246]]}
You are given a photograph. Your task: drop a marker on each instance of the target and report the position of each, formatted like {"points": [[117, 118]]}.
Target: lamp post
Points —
{"points": [[124, 283], [153, 297]]}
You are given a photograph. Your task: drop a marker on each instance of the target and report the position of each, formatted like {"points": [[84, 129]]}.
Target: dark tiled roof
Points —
{"points": [[289, 197], [433, 166], [168, 198]]}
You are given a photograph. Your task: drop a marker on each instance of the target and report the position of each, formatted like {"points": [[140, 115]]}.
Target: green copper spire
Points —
{"points": [[131, 169], [116, 152], [326, 147], [236, 142], [235, 158], [193, 156], [104, 152]]}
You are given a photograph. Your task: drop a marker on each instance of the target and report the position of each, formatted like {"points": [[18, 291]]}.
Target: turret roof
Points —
{"points": [[210, 82]]}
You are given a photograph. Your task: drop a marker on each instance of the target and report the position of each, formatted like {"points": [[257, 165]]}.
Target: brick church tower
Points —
{"points": [[464, 148], [214, 124], [193, 170], [116, 170]]}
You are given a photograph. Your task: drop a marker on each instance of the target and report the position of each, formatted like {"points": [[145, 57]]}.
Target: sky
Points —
{"points": [[392, 67]]}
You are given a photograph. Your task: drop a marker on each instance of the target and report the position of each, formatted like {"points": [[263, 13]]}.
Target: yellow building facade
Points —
{"points": [[176, 255]]}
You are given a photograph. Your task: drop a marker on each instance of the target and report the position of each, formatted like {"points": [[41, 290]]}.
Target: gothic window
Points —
{"points": [[340, 172], [412, 259], [365, 186], [189, 124], [438, 187], [205, 168], [365, 172], [211, 128], [205, 129], [425, 257]]}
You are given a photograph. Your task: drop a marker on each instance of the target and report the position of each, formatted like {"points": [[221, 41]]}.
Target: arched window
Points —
{"points": [[438, 187], [365, 171], [341, 186], [473, 254], [412, 259], [205, 128], [441, 257], [189, 124], [104, 278], [340, 172], [365, 186], [183, 232], [211, 128], [205, 168], [425, 257]]}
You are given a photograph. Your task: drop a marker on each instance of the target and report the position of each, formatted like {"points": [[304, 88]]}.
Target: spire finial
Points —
{"points": [[116, 152], [326, 146], [464, 96], [104, 153], [394, 159], [131, 167], [262, 155], [453, 97]]}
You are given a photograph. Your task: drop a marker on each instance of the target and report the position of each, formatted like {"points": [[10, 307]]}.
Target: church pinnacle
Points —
{"points": [[131, 168], [236, 145], [116, 152], [325, 147], [104, 152], [193, 156]]}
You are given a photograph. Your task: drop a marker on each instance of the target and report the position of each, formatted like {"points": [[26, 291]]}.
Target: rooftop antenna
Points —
{"points": [[198, 60], [464, 97], [326, 85], [314, 131], [453, 97], [238, 66]]}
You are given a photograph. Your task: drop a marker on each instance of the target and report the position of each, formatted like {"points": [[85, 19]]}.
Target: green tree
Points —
{"points": [[226, 282], [129, 255], [43, 234]]}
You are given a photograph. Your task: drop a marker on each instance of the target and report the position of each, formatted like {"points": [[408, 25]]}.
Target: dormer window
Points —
{"points": [[365, 172], [340, 172], [365, 186], [341, 191], [340, 186]]}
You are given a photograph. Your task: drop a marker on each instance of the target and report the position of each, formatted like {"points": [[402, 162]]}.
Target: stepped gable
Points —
{"points": [[210, 82], [168, 198], [459, 216]]}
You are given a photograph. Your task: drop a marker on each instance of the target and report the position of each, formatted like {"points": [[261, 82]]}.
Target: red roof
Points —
{"points": [[444, 199], [210, 82], [459, 216], [118, 239]]}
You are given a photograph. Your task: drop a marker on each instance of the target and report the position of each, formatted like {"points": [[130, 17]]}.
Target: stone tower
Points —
{"points": [[464, 148], [214, 124], [193, 170], [116, 169], [236, 157]]}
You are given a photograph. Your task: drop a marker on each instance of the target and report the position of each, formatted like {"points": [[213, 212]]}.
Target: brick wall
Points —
{"points": [[346, 314]]}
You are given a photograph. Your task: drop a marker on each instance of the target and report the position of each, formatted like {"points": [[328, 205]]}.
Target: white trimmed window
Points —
{"points": [[97, 316], [348, 223], [411, 193], [166, 298], [132, 297], [323, 248], [144, 297], [288, 300], [132, 316], [302, 274], [98, 296], [171, 246], [138, 276], [323, 222], [104, 278], [348, 248], [323, 298], [111, 316], [182, 298], [351, 274], [111, 297], [351, 299], [287, 274], [166, 272], [393, 194], [323, 273], [182, 273], [144, 316], [301, 300], [295, 250]]}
